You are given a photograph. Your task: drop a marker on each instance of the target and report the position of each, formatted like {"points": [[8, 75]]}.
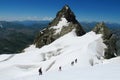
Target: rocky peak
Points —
{"points": [[66, 13], [108, 38], [63, 23], [101, 28], [66, 8]]}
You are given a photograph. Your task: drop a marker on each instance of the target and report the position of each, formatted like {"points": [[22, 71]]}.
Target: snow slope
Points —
{"points": [[87, 49], [60, 25], [98, 72]]}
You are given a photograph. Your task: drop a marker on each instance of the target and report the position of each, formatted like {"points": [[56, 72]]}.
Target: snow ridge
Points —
{"points": [[87, 49]]}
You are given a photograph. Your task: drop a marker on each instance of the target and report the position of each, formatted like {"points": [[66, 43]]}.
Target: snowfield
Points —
{"points": [[60, 25], [87, 49]]}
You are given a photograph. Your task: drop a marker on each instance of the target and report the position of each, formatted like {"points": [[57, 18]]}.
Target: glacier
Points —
{"points": [[87, 49]]}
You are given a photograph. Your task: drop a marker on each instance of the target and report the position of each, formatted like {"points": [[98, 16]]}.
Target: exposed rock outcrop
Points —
{"points": [[108, 38], [64, 23]]}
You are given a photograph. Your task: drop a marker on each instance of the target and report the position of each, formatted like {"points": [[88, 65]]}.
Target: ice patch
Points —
{"points": [[66, 7], [60, 25]]}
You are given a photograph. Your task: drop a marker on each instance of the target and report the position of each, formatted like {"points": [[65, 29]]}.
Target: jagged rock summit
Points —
{"points": [[64, 23], [108, 38]]}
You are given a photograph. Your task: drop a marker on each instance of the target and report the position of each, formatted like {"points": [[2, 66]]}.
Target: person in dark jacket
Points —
{"points": [[72, 63], [60, 68], [40, 71], [75, 60]]}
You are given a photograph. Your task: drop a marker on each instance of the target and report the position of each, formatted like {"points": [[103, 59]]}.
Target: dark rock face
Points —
{"points": [[47, 35], [108, 38], [64, 12]]}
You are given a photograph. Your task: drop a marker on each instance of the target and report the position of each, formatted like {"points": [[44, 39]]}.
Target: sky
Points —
{"points": [[85, 10]]}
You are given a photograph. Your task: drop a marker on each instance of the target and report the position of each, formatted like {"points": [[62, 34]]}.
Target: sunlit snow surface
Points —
{"points": [[60, 25], [87, 49]]}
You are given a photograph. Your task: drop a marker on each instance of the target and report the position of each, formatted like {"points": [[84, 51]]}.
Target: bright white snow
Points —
{"points": [[66, 7], [98, 72], [87, 49], [60, 25]]}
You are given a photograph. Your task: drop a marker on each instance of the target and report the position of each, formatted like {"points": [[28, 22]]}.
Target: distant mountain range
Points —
{"points": [[11, 31], [90, 25], [32, 22], [15, 36]]}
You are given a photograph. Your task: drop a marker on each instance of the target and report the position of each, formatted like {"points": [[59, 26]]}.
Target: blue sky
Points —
{"points": [[85, 10]]}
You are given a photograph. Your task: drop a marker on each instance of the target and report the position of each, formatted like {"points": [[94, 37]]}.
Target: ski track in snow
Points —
{"points": [[6, 57]]}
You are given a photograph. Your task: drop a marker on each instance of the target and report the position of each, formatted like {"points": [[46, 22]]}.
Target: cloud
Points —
{"points": [[47, 18], [26, 18]]}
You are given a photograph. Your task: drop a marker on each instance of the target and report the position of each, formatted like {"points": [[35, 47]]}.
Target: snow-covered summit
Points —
{"points": [[63, 23]]}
